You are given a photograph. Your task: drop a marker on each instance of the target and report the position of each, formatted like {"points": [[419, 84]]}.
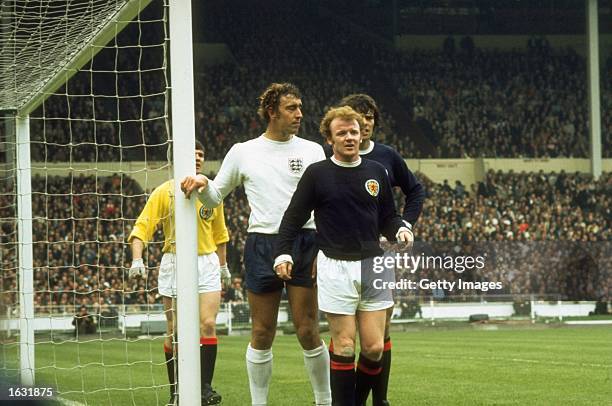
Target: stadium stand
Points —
{"points": [[549, 211], [465, 102], [459, 102]]}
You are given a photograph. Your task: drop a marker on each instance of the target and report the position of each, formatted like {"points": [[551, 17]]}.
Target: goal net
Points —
{"points": [[86, 83]]}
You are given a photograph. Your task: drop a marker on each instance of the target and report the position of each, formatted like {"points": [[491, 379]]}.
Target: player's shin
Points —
{"points": [[342, 378], [208, 357], [379, 390], [259, 369], [317, 365], [169, 355], [367, 376]]}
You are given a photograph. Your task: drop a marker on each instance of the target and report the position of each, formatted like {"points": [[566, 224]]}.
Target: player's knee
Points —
{"points": [[372, 350], [207, 327], [308, 334], [344, 346], [261, 338]]}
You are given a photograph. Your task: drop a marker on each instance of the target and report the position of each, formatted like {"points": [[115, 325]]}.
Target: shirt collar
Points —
{"points": [[368, 150], [346, 164]]}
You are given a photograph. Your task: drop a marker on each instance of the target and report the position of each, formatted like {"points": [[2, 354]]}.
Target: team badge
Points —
{"points": [[372, 187], [205, 213], [296, 165]]}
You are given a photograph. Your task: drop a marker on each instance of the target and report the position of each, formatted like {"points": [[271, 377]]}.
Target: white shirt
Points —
{"points": [[270, 171]]}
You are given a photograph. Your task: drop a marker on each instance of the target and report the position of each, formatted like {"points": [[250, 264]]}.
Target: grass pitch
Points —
{"points": [[431, 366]]}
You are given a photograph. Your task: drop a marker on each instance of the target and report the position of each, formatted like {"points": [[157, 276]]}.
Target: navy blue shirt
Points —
{"points": [[399, 175], [352, 207]]}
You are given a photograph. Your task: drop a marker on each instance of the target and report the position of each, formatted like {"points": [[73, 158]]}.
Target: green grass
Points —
{"points": [[544, 366], [589, 318]]}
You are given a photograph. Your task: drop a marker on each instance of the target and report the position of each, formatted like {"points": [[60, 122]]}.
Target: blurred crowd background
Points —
{"points": [[550, 232]]}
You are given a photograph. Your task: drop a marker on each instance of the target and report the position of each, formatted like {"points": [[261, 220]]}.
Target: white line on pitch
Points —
{"points": [[525, 361], [67, 402]]}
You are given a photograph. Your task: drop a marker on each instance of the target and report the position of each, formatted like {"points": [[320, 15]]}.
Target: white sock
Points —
{"points": [[259, 368], [317, 365]]}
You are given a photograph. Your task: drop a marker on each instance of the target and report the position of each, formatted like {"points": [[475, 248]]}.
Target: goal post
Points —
{"points": [[26, 258], [50, 55], [183, 129]]}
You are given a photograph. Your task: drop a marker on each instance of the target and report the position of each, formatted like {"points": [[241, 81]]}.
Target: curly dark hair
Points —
{"points": [[270, 98], [361, 103]]}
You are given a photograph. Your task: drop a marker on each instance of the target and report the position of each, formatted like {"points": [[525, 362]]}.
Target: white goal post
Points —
{"points": [[42, 45], [183, 126]]}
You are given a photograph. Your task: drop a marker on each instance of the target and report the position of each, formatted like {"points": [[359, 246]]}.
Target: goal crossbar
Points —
{"points": [[23, 89]]}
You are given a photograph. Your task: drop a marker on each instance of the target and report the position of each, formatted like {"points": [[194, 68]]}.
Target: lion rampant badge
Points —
{"points": [[372, 187], [205, 213]]}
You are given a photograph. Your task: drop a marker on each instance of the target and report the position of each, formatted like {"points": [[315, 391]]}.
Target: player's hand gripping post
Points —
{"points": [[138, 269], [190, 183]]}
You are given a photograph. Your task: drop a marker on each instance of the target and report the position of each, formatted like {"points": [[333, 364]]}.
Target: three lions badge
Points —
{"points": [[296, 165], [372, 187]]}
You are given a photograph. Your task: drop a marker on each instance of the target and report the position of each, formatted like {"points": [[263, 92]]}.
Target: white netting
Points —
{"points": [[40, 38], [99, 145]]}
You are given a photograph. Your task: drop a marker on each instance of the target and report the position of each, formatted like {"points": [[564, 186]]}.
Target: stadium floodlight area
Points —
{"points": [[85, 135]]}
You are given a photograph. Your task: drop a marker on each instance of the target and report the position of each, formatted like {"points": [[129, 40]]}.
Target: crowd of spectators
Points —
{"points": [[466, 101], [474, 102], [545, 234], [114, 108], [80, 225], [469, 102]]}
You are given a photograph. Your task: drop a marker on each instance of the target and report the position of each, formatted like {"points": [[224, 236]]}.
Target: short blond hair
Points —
{"points": [[344, 113]]}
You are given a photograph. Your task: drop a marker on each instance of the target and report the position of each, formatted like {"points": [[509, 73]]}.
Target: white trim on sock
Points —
{"points": [[258, 356]]}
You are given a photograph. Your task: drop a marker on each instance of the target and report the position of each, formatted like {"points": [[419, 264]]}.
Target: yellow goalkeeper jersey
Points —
{"points": [[160, 208]]}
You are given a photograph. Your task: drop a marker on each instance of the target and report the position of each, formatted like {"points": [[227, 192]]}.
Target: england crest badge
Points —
{"points": [[296, 165]]}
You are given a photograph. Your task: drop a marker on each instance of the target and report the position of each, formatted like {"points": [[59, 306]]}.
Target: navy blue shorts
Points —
{"points": [[259, 250]]}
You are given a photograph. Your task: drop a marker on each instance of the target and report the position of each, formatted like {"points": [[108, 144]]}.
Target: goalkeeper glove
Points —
{"points": [[138, 269], [226, 276]]}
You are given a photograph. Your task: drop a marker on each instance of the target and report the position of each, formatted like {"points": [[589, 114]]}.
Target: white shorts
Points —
{"points": [[209, 274], [339, 287]]}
